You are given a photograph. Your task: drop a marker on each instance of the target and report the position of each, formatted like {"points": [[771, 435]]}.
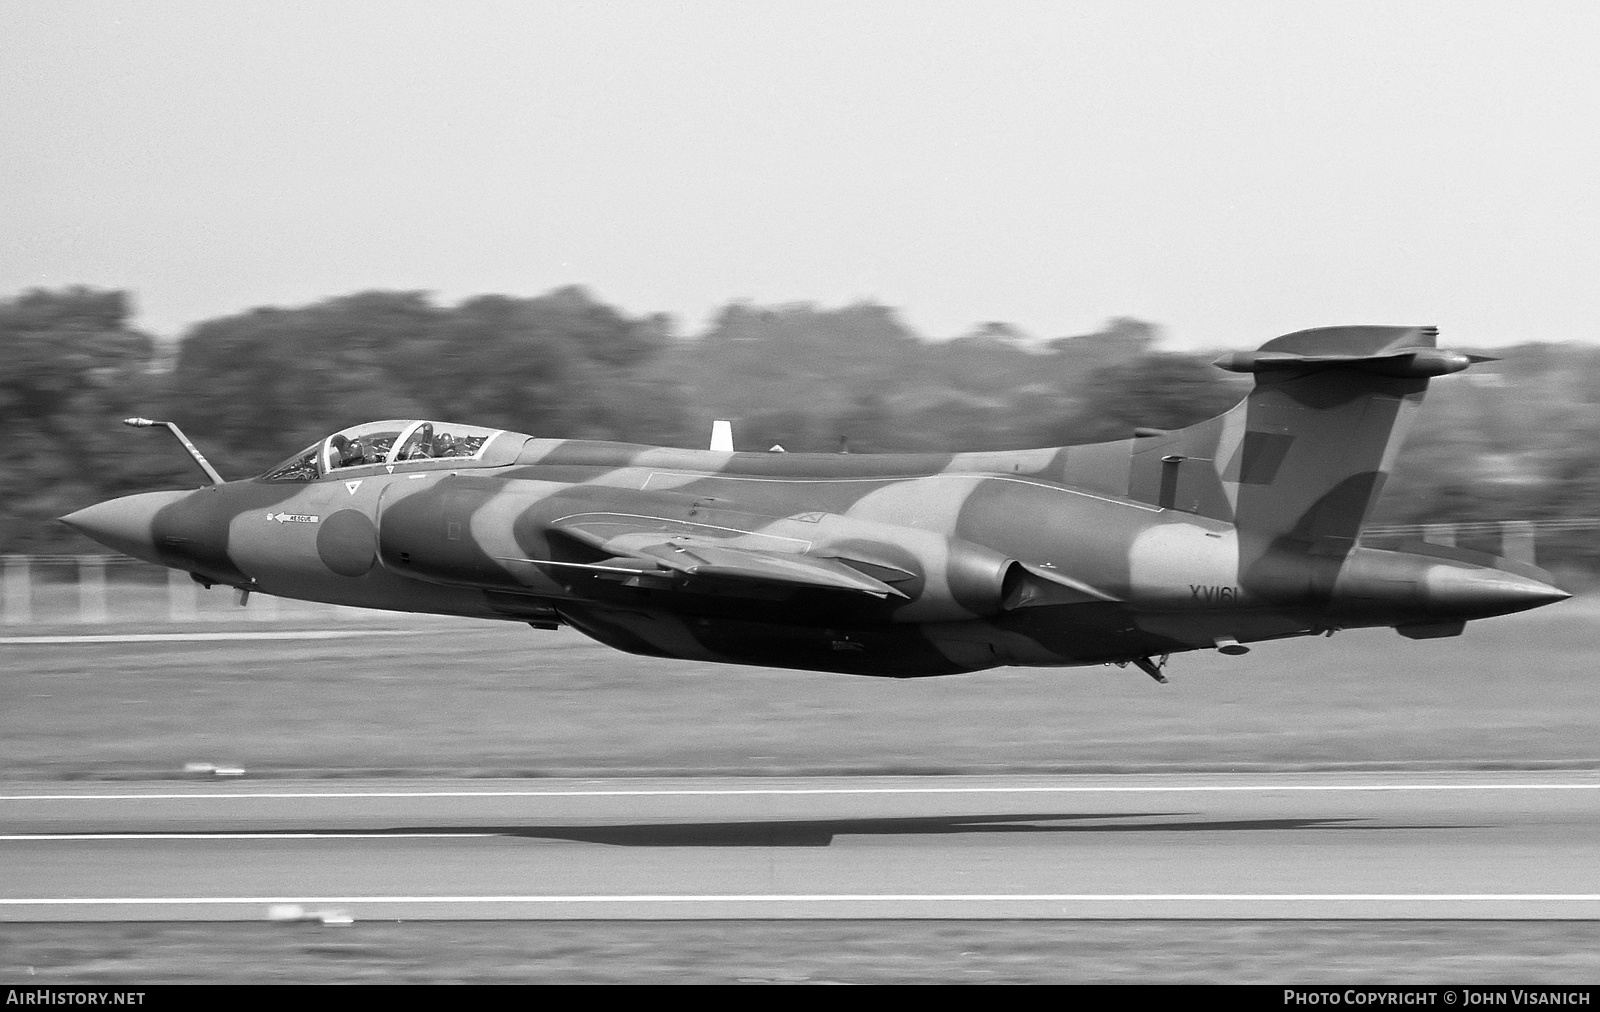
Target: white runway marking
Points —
{"points": [[732, 791], [26, 837], [843, 898], [305, 634]]}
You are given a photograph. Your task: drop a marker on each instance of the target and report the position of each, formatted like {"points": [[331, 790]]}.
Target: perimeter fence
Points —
{"points": [[118, 590]]}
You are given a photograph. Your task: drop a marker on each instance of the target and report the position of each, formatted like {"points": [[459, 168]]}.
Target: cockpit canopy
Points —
{"points": [[390, 443]]}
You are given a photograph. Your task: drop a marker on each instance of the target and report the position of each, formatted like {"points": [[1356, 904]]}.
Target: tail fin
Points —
{"points": [[1298, 464]]}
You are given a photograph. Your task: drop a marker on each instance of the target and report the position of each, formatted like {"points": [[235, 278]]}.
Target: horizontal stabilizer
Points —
{"points": [[1407, 352]]}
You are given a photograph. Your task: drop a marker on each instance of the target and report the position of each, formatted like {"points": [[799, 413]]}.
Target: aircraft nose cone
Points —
{"points": [[1484, 592], [126, 524]]}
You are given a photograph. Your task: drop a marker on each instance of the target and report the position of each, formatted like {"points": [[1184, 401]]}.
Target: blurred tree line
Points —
{"points": [[1510, 440]]}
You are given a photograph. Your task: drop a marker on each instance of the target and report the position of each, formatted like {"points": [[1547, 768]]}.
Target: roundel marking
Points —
{"points": [[347, 543]]}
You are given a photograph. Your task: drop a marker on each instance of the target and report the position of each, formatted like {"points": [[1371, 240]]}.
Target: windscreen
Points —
{"points": [[386, 443], [300, 467]]}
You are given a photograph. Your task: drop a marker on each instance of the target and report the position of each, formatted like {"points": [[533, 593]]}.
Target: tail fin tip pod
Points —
{"points": [[1401, 352]]}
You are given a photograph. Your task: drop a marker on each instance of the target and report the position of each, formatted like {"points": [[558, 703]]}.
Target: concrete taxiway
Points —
{"points": [[1502, 845]]}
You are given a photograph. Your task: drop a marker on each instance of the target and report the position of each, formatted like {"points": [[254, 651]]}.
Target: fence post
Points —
{"points": [[1517, 540], [1440, 534], [16, 587], [91, 588], [181, 594]]}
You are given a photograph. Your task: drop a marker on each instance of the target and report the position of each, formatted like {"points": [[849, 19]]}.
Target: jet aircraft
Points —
{"points": [[1244, 527]]}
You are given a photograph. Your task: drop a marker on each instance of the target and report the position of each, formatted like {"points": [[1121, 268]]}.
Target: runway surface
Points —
{"points": [[1505, 845]]}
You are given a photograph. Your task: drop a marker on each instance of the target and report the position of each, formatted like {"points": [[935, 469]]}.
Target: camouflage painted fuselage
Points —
{"points": [[1241, 528]]}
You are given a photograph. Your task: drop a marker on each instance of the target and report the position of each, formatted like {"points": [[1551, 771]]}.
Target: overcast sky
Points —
{"points": [[1229, 170]]}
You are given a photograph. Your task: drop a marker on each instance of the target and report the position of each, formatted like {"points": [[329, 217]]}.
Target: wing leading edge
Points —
{"points": [[664, 547]]}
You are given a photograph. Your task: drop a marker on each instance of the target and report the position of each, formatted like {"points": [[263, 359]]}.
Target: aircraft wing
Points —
{"points": [[678, 547]]}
